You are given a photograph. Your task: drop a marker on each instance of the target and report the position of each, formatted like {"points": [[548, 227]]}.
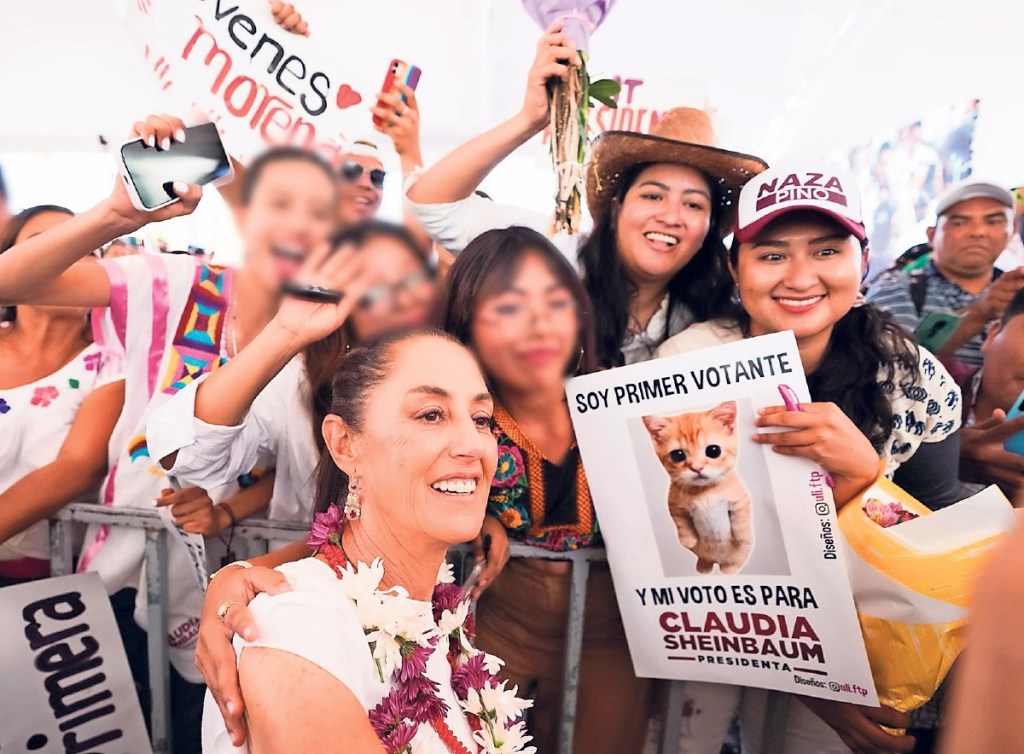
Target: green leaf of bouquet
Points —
{"points": [[605, 91]]}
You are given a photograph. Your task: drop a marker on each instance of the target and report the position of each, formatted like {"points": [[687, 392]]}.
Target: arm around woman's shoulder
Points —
{"points": [[308, 678]]}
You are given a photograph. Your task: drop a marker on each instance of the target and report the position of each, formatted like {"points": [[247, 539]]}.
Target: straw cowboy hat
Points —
{"points": [[683, 136]]}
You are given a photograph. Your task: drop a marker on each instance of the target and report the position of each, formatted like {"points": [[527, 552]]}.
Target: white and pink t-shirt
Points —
{"points": [[168, 316]]}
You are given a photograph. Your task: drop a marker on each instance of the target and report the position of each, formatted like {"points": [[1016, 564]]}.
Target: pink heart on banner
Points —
{"points": [[347, 97]]}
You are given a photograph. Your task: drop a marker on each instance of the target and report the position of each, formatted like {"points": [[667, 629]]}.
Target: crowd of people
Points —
{"points": [[395, 414]]}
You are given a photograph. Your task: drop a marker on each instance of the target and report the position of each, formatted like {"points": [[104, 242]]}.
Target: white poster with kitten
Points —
{"points": [[723, 552]]}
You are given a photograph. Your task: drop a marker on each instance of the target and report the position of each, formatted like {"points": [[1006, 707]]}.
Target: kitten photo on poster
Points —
{"points": [[707, 499]]}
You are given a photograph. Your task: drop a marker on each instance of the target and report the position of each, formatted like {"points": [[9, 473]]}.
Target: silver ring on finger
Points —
{"points": [[222, 611]]}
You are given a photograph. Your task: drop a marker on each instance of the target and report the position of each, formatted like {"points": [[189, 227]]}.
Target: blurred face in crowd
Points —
{"points": [[526, 335], [118, 249], [403, 295], [359, 196], [662, 221], [969, 237], [425, 454], [1003, 378], [291, 212], [801, 273]]}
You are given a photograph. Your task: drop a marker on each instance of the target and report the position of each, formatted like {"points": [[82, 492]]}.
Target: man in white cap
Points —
{"points": [[973, 226]]}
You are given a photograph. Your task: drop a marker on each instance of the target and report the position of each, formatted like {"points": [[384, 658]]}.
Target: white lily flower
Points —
{"points": [[362, 581], [387, 651], [446, 574], [511, 741], [493, 664], [503, 702], [451, 621]]}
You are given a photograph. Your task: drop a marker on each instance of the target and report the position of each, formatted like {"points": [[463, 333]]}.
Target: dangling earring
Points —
{"points": [[579, 361], [353, 504], [736, 295]]}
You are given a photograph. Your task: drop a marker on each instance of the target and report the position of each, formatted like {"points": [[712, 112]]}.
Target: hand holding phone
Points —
{"points": [[399, 72], [474, 576], [314, 293], [935, 329], [151, 167]]}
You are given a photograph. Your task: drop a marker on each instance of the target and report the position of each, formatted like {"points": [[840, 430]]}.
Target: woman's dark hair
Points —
{"points": [[487, 267], [13, 230], [272, 156], [323, 357], [697, 286], [361, 371], [865, 344]]}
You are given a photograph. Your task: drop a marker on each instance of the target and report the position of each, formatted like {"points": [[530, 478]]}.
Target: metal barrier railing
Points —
{"points": [[264, 531]]}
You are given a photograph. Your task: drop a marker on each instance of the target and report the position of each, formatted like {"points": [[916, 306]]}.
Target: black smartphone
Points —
{"points": [[313, 293], [149, 171]]}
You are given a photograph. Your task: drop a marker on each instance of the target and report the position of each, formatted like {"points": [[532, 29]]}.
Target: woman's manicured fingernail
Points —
{"points": [[180, 187], [165, 143], [151, 141], [179, 134]]}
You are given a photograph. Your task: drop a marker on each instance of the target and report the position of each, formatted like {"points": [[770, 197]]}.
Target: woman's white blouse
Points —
{"points": [[317, 622]]}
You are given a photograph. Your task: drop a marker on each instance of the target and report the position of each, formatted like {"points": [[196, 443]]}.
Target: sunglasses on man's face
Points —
{"points": [[352, 171]]}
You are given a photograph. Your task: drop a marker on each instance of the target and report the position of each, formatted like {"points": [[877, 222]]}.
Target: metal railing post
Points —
{"points": [[672, 717], [60, 548], [776, 719], [573, 649], [156, 639]]}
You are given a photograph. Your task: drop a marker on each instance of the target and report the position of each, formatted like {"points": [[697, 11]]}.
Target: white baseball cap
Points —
{"points": [[973, 188], [788, 188]]}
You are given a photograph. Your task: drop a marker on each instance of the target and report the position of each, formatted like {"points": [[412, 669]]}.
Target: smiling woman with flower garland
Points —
{"points": [[370, 649]]}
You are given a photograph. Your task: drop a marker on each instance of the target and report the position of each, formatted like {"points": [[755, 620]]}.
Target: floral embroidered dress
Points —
{"points": [[34, 420], [539, 502]]}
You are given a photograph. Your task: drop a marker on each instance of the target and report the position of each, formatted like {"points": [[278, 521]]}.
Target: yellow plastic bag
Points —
{"points": [[912, 584]]}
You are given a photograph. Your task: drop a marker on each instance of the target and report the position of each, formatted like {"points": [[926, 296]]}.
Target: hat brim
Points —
{"points": [[614, 152], [744, 235]]}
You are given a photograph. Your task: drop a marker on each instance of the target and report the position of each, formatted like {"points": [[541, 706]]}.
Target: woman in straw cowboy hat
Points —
{"points": [[661, 203]]}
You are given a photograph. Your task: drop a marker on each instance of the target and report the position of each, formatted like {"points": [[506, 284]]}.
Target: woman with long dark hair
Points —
{"points": [[661, 204], [519, 305], [881, 404]]}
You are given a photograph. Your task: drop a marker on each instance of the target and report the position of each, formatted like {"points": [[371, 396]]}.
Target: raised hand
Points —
{"points": [[288, 18], [400, 121], [157, 132], [554, 53], [339, 270]]}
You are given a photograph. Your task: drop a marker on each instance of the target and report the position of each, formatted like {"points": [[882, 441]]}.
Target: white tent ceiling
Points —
{"points": [[782, 76]]}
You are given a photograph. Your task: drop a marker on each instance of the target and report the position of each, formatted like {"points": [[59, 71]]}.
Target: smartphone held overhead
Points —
{"points": [[149, 172], [399, 72]]}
